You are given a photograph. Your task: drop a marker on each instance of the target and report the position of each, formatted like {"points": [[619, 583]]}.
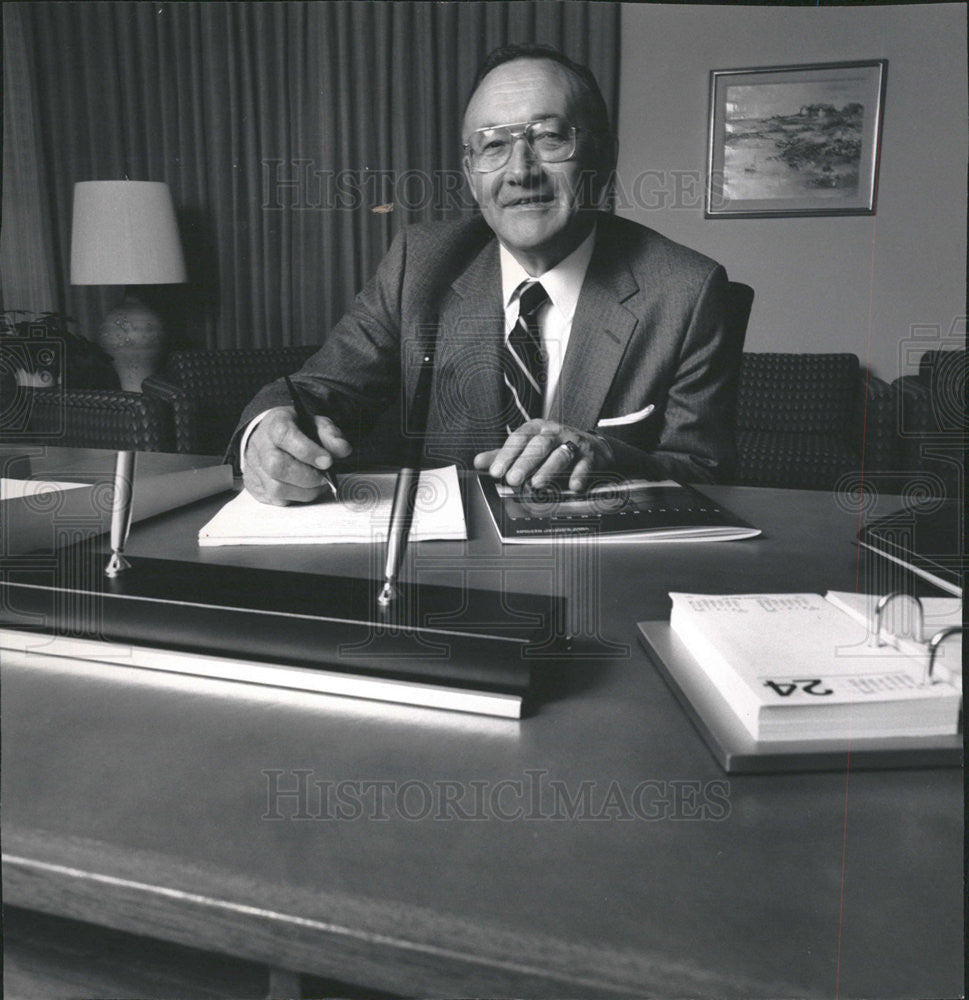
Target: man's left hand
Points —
{"points": [[542, 449]]}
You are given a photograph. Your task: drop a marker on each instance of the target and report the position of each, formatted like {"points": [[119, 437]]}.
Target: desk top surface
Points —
{"points": [[593, 848]]}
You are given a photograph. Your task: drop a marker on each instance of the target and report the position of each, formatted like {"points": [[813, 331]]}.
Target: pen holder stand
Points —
{"points": [[460, 637]]}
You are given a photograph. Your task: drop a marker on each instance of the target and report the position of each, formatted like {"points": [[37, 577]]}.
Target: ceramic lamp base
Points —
{"points": [[133, 335]]}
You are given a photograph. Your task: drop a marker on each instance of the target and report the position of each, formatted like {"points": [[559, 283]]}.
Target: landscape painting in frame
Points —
{"points": [[795, 140]]}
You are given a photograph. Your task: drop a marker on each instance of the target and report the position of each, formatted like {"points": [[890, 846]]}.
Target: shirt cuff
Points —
{"points": [[244, 440]]}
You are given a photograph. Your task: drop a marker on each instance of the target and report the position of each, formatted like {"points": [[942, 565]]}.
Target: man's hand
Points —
{"points": [[541, 449], [283, 465]]}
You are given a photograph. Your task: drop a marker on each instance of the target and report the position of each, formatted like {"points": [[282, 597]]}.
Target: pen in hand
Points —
{"points": [[307, 426]]}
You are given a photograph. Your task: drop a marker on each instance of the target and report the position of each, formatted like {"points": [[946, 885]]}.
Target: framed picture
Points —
{"points": [[795, 140]]}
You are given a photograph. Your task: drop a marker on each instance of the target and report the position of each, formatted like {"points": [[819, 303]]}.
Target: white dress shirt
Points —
{"points": [[563, 284]]}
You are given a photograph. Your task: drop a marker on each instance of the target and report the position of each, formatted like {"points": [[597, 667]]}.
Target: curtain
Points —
{"points": [[26, 260], [296, 139]]}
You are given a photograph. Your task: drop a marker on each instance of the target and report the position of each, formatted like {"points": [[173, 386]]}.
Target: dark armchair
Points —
{"points": [[931, 422], [85, 408], [208, 390], [97, 418], [804, 420]]}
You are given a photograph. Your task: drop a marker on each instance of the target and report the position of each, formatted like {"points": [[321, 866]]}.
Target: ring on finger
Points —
{"points": [[572, 448]]}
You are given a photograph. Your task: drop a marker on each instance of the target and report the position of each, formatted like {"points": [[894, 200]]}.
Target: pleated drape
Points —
{"points": [[24, 232], [296, 138]]}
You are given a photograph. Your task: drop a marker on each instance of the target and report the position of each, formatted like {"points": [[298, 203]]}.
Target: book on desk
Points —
{"points": [[613, 510]]}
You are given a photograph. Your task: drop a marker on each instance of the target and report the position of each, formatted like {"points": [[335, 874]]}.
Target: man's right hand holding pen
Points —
{"points": [[283, 465]]}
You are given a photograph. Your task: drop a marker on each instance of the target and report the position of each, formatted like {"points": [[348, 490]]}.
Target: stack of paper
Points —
{"points": [[361, 513]]}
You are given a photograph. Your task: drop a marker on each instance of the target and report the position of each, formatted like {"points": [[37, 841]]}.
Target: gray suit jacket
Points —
{"points": [[649, 329]]}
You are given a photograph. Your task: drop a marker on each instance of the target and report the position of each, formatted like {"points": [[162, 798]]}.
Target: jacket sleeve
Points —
{"points": [[356, 372], [695, 440]]}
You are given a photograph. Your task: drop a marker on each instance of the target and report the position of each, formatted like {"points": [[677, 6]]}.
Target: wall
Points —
{"points": [[820, 283]]}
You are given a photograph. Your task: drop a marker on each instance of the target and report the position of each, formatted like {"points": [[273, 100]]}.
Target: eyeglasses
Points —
{"points": [[552, 140]]}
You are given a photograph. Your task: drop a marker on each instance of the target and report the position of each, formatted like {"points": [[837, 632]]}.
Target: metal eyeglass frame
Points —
{"points": [[519, 130]]}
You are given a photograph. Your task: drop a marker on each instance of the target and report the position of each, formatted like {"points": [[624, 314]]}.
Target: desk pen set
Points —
{"points": [[458, 648]]}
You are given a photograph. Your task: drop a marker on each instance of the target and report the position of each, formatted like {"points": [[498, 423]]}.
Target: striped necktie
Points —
{"points": [[525, 369]]}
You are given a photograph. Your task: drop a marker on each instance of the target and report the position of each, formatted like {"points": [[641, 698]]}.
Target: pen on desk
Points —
{"points": [[401, 516], [405, 490], [124, 471], [307, 425]]}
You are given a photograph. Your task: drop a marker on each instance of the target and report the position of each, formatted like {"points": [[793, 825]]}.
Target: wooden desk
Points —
{"points": [[144, 802]]}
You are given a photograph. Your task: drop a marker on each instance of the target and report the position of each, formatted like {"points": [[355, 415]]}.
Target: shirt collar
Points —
{"points": [[562, 282]]}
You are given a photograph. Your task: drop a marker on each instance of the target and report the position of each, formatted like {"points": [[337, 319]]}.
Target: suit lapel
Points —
{"points": [[468, 364], [601, 329]]}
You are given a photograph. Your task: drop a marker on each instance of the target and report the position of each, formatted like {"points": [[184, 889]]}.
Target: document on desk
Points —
{"points": [[361, 513]]}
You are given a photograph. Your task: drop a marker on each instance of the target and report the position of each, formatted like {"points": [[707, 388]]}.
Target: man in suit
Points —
{"points": [[567, 341]]}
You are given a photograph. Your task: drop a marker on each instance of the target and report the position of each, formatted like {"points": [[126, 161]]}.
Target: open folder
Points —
{"points": [[360, 513], [35, 513]]}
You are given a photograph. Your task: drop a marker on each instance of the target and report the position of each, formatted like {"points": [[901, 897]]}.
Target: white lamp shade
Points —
{"points": [[125, 233]]}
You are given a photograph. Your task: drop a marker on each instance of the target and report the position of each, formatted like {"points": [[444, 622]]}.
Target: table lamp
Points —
{"points": [[125, 233]]}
